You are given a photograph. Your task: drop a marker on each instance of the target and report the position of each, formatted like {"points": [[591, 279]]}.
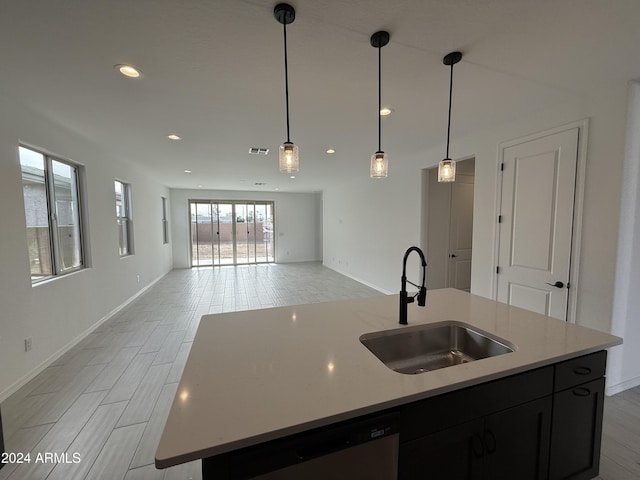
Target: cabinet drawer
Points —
{"points": [[580, 370]]}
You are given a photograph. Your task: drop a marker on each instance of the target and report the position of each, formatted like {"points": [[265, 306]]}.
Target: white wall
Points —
{"points": [[297, 222], [624, 362], [59, 312], [369, 224]]}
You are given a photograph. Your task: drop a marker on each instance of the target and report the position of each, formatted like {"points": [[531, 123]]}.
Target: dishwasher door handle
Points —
{"points": [[323, 448]]}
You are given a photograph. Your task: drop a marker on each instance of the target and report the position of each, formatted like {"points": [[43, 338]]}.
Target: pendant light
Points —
{"points": [[447, 167], [379, 160], [288, 153]]}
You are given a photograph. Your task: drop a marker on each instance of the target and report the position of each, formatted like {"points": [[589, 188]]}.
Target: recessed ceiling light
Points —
{"points": [[292, 176], [128, 70], [200, 186], [331, 151], [384, 111], [173, 136], [187, 171]]}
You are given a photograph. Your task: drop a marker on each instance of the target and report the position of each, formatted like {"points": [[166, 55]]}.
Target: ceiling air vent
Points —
{"points": [[258, 151]]}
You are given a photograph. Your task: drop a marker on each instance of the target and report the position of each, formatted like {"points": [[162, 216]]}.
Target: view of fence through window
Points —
{"points": [[231, 233], [52, 210]]}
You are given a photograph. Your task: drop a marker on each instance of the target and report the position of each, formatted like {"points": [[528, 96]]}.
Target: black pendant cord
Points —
{"points": [[449, 121], [379, 99], [379, 40], [286, 79]]}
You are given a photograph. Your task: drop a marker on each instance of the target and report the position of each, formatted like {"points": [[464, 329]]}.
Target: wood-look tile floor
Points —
{"points": [[107, 398], [620, 458]]}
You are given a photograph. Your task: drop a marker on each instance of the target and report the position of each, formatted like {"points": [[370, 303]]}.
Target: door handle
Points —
{"points": [[558, 284], [453, 255], [581, 392], [582, 370]]}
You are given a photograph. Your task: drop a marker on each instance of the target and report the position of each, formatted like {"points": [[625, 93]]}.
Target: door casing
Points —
{"points": [[461, 232], [436, 221]]}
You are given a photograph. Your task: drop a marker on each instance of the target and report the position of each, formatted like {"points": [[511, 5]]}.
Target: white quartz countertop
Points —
{"points": [[258, 375]]}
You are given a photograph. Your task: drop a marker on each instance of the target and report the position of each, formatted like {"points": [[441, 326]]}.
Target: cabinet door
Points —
{"points": [[577, 429], [454, 453], [517, 442]]}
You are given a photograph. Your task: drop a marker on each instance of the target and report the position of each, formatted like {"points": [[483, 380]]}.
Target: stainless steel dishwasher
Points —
{"points": [[363, 449]]}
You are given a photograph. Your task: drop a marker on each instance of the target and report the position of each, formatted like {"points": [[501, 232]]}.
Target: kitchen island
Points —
{"points": [[257, 377]]}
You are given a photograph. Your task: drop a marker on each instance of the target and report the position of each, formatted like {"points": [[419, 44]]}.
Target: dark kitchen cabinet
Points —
{"points": [[455, 452], [577, 418], [510, 444], [517, 442], [542, 424]]}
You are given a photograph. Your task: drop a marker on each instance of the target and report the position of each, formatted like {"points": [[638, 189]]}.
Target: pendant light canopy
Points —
{"points": [[288, 153], [379, 161], [447, 167]]}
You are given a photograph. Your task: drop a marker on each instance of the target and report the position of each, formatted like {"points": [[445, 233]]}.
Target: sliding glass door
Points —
{"points": [[244, 229], [264, 251], [201, 234], [231, 233], [224, 233]]}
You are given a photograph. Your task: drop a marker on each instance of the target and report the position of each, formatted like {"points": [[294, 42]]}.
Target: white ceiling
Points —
{"points": [[213, 73]]}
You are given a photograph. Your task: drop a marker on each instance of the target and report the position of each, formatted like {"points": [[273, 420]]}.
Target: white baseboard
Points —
{"points": [[14, 387], [359, 280], [621, 387]]}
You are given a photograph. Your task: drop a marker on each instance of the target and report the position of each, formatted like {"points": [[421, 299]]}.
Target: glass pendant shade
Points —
{"points": [[289, 158], [447, 170], [379, 165]]}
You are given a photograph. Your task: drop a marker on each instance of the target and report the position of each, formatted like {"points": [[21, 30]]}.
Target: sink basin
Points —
{"points": [[422, 348]]}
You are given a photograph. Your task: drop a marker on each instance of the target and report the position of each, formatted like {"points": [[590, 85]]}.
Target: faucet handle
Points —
{"points": [[422, 297]]}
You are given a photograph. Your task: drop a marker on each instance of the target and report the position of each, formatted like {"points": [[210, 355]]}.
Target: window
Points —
{"points": [[165, 222], [123, 216], [51, 190]]}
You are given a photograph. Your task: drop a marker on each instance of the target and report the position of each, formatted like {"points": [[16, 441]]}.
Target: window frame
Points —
{"points": [[55, 244], [126, 219], [165, 222]]}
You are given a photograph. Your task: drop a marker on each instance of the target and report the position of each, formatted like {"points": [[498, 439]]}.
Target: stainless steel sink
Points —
{"points": [[422, 348]]}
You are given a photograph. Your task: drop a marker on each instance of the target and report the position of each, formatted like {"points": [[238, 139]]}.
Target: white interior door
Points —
{"points": [[461, 233], [536, 219]]}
